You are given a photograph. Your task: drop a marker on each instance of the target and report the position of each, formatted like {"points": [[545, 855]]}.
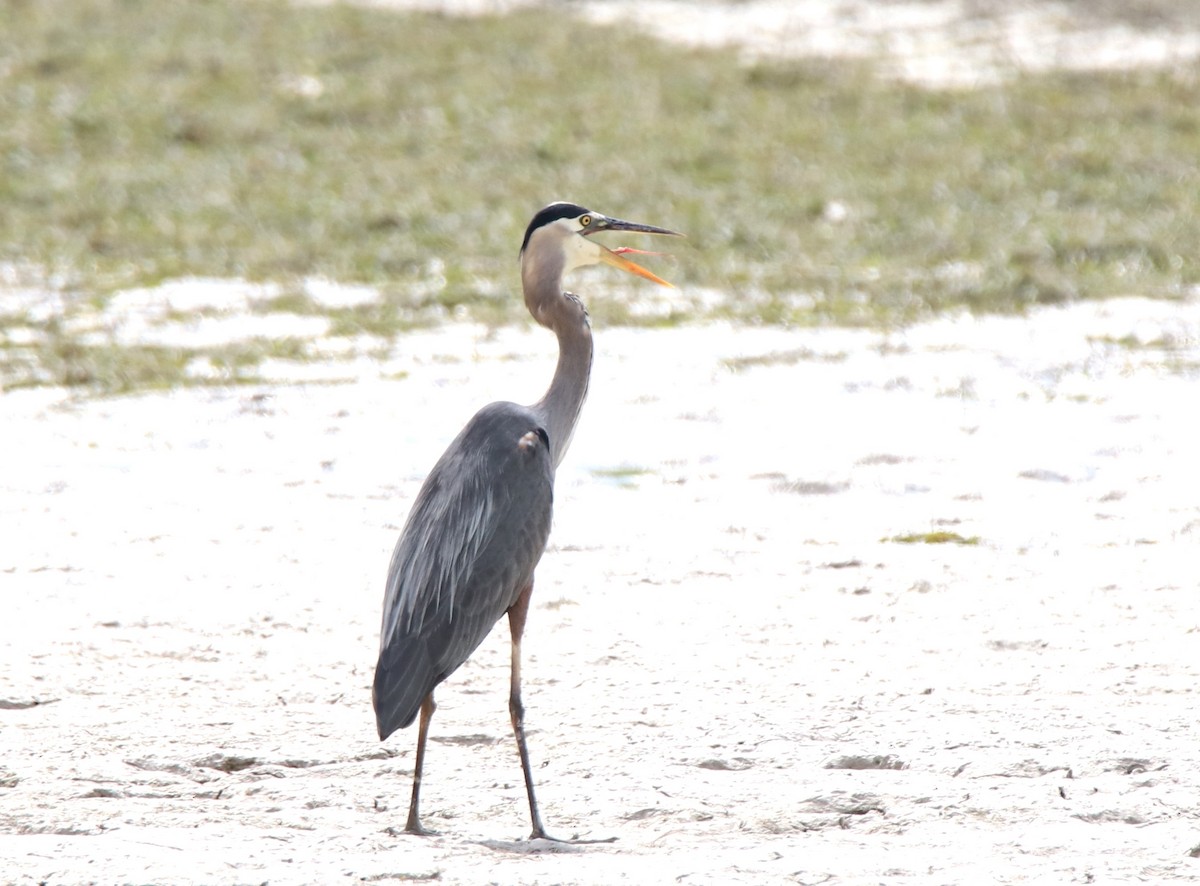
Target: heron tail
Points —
{"points": [[401, 684]]}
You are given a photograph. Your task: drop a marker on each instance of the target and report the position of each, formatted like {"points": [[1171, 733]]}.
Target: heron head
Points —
{"points": [[559, 236]]}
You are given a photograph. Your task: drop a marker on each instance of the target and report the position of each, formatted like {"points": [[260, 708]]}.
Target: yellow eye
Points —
{"points": [[585, 221]]}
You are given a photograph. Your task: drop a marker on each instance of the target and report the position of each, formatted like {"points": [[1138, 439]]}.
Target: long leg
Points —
{"points": [[516, 624], [414, 818]]}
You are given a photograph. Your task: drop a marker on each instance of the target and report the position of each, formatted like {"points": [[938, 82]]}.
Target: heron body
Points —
{"points": [[473, 538], [479, 525]]}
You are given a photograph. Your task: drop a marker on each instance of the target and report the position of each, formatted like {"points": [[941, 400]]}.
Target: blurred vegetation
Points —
{"points": [[141, 141], [933, 538]]}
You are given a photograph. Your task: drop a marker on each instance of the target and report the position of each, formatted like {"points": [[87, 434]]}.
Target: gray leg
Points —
{"points": [[516, 623], [516, 710], [414, 818]]}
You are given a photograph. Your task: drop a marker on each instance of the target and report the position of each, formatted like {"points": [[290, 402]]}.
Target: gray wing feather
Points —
{"points": [[469, 547]]}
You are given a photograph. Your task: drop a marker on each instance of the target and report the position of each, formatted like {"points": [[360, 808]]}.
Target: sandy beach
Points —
{"points": [[732, 666], [823, 605]]}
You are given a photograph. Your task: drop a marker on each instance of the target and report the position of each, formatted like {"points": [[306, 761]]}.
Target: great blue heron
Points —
{"points": [[479, 524]]}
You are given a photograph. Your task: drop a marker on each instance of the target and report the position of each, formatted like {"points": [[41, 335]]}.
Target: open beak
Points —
{"points": [[616, 258]]}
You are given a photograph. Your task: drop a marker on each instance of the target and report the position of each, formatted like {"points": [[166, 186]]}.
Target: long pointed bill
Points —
{"points": [[611, 258], [614, 258]]}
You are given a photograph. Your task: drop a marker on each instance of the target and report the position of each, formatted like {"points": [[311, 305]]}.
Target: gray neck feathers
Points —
{"points": [[565, 315]]}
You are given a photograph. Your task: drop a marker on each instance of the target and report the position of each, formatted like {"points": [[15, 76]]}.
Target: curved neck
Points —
{"points": [[559, 408]]}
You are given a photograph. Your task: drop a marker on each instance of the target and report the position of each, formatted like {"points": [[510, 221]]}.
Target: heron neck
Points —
{"points": [[559, 408]]}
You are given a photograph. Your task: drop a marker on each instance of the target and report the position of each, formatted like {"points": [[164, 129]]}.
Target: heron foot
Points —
{"points": [[415, 828]]}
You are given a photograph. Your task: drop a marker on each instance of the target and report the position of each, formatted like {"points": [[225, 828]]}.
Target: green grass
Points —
{"points": [[1169, 350], [624, 476], [781, 358], [1132, 342], [66, 360], [142, 141], [933, 538]]}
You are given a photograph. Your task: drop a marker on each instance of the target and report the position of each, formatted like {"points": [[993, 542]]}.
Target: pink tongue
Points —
{"points": [[625, 250]]}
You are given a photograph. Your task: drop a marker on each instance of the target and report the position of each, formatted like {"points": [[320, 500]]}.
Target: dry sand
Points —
{"points": [[728, 668], [721, 637]]}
